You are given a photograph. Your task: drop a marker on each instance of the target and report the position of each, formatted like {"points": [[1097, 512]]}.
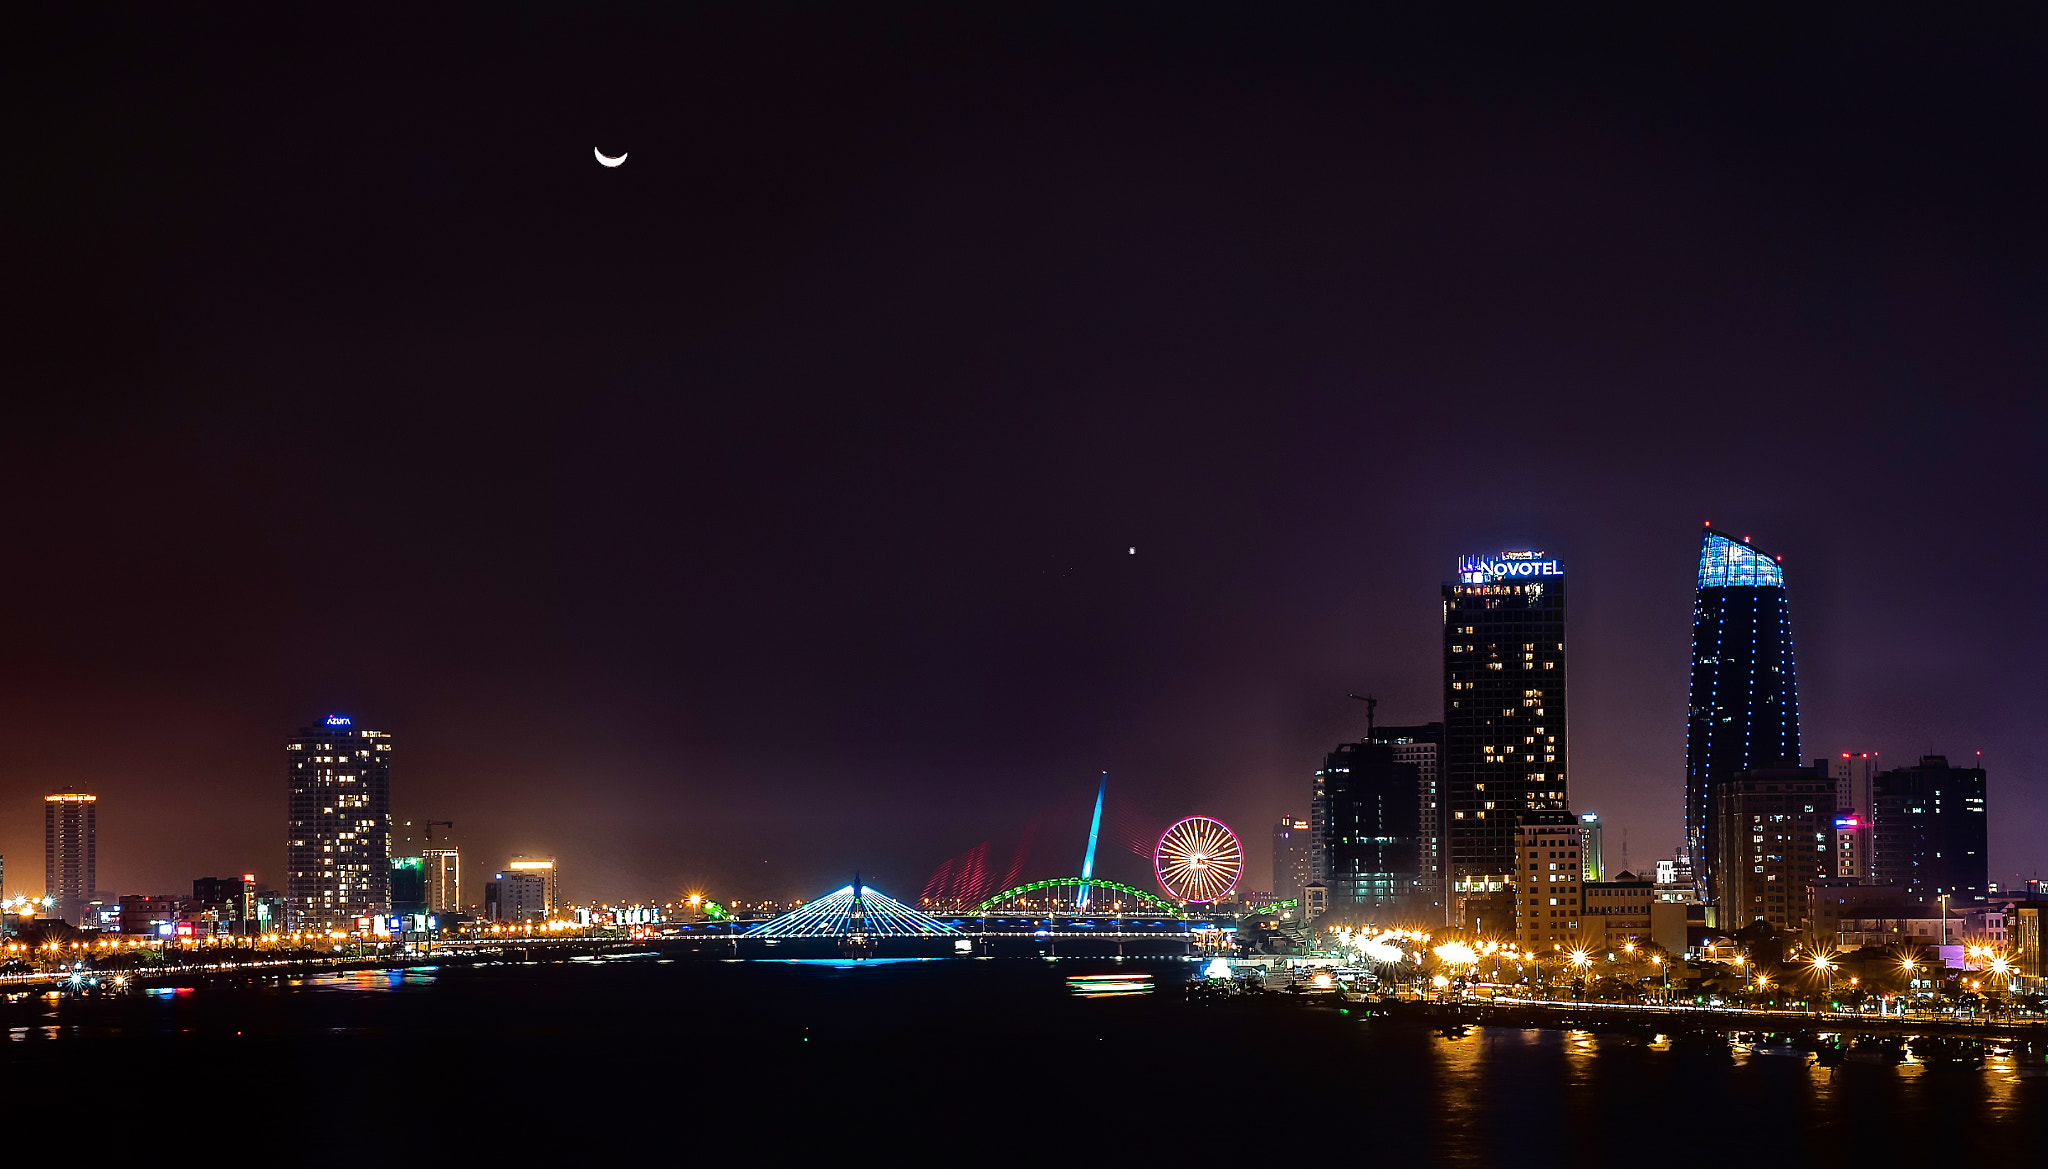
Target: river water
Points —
{"points": [[645, 1060]]}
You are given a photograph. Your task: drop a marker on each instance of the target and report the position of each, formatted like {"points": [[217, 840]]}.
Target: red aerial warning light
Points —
{"points": [[1745, 539]]}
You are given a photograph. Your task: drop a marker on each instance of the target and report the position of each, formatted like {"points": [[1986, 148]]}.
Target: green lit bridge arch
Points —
{"points": [[1161, 903]]}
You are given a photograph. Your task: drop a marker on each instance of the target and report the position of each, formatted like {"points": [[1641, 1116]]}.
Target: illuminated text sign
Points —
{"points": [[1506, 566]]}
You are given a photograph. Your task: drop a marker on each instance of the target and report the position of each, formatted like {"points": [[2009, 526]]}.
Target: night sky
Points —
{"points": [[759, 510]]}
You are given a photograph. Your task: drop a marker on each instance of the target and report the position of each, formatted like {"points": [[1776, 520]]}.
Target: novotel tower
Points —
{"points": [[1504, 711], [1743, 709]]}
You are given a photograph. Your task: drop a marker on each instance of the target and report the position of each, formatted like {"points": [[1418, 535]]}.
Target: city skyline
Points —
{"points": [[909, 461], [1738, 550]]}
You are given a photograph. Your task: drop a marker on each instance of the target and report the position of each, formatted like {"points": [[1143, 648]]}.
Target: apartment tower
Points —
{"points": [[338, 853], [70, 853]]}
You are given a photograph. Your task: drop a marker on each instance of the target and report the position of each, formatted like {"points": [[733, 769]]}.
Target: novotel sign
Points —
{"points": [[1506, 566]]}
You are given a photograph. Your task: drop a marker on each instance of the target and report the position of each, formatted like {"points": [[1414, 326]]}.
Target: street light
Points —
{"points": [[1824, 970], [1580, 960]]}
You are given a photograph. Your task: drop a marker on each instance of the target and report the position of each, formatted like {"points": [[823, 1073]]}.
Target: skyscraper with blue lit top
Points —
{"points": [[1743, 708]]}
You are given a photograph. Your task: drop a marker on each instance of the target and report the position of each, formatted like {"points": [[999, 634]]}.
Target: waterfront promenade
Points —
{"points": [[104, 973], [1674, 1017]]}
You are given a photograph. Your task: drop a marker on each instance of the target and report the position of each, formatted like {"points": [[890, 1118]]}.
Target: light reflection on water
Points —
{"points": [[1504, 1096], [957, 1043], [845, 963], [397, 979]]}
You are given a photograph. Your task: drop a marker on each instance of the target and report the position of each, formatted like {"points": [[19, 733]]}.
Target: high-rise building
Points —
{"points": [[1852, 845], [1548, 883], [1291, 870], [1777, 827], [1504, 712], [70, 853], [1423, 746], [338, 856], [1743, 709], [1853, 773], [1372, 829], [444, 879], [516, 896], [408, 885], [435, 843], [544, 868], [1589, 838], [1928, 830]]}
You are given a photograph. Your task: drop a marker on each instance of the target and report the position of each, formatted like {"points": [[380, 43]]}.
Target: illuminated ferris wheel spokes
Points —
{"points": [[1198, 859]]}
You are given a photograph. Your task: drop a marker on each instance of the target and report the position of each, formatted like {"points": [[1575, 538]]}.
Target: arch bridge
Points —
{"points": [[1126, 899]]}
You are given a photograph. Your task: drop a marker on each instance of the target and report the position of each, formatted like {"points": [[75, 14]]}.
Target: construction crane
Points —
{"points": [[1371, 704]]}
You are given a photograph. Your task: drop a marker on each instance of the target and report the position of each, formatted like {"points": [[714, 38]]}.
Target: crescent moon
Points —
{"points": [[608, 161]]}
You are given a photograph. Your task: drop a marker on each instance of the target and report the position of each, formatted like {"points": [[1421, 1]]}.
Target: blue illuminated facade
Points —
{"points": [[1743, 707], [1726, 562]]}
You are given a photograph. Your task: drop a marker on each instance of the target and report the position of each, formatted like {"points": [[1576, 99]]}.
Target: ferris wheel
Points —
{"points": [[1198, 859]]}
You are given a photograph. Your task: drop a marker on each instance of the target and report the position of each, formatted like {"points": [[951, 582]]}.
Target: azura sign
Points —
{"points": [[1506, 566]]}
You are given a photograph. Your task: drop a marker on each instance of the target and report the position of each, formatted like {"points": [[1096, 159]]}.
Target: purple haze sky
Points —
{"points": [[758, 510]]}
